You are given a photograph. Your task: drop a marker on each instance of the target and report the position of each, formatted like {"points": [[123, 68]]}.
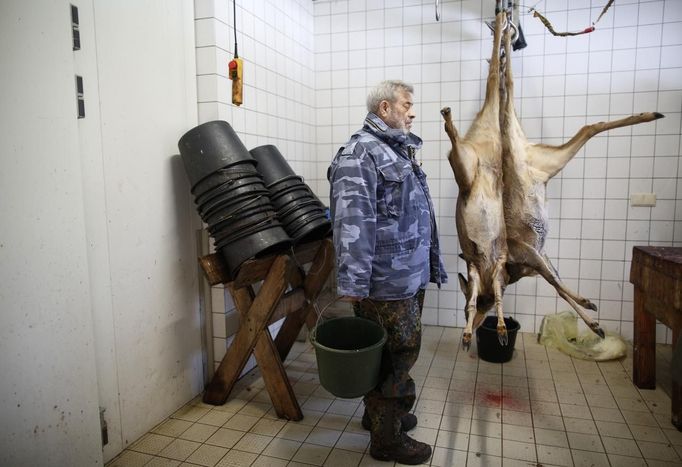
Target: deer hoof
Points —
{"points": [[597, 330], [590, 306], [466, 341], [445, 111], [502, 336]]}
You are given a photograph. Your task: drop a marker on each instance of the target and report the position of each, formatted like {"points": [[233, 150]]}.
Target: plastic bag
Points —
{"points": [[560, 331]]}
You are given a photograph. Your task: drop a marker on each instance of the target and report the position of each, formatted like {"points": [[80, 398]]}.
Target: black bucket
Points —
{"points": [[225, 187], [271, 164], [489, 347], [282, 199], [229, 199], [348, 352], [232, 205], [224, 175], [209, 147], [305, 217], [284, 211], [234, 224], [286, 182], [315, 229], [225, 241], [296, 214], [272, 239]]}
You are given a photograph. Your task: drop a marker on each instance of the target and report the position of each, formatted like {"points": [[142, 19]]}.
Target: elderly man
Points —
{"points": [[387, 251]]}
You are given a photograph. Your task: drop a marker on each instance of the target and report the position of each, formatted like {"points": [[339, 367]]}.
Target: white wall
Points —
{"points": [[147, 90], [631, 63], [275, 40], [98, 283], [48, 388]]}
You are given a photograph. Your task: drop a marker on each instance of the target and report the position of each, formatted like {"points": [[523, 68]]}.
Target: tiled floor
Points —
{"points": [[542, 408]]}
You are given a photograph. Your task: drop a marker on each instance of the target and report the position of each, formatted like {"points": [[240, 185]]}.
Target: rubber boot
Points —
{"points": [[407, 421], [389, 443]]}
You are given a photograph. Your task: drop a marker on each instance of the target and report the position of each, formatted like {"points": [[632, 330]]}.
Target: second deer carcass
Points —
{"points": [[527, 168], [476, 160]]}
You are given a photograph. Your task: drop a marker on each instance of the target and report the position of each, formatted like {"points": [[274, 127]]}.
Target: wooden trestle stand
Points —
{"points": [[270, 304]]}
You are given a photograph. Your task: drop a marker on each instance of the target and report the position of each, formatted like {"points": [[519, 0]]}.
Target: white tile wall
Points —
{"points": [[631, 63], [309, 64], [275, 41]]}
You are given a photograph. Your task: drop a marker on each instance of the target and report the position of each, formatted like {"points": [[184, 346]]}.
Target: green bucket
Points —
{"points": [[348, 352]]}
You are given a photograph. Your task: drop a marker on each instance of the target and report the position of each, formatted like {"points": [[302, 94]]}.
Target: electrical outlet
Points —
{"points": [[643, 199]]}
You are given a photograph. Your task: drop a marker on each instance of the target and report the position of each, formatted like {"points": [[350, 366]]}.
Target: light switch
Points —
{"points": [[643, 199]]}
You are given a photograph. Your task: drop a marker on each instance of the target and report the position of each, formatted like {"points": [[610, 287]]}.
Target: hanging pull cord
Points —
{"points": [[550, 28]]}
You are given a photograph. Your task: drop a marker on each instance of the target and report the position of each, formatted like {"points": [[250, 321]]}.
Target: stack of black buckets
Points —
{"points": [[301, 212], [254, 204]]}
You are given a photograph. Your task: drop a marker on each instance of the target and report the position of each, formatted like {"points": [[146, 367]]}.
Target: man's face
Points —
{"points": [[400, 113]]}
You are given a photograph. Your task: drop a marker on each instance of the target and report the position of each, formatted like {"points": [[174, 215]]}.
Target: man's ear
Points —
{"points": [[384, 106]]}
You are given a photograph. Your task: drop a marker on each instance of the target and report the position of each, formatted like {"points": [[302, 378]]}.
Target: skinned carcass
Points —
{"points": [[527, 168], [476, 161]]}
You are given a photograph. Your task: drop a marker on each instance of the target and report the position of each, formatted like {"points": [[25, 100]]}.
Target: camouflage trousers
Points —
{"points": [[395, 394]]}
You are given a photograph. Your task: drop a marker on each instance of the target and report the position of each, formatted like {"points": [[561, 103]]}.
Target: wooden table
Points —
{"points": [[271, 304], [656, 273]]}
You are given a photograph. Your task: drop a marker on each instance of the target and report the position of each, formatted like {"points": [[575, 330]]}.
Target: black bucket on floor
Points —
{"points": [[489, 347], [348, 352]]}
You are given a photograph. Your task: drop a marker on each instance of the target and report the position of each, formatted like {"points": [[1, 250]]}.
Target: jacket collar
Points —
{"points": [[376, 126]]}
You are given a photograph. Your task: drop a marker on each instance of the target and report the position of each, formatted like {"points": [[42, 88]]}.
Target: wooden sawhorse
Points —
{"points": [[257, 311]]}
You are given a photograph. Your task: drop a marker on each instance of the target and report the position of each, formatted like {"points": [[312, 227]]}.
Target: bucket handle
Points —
{"points": [[319, 312], [313, 333]]}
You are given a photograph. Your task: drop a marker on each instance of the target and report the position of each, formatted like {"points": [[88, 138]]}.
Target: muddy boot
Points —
{"points": [[407, 421], [388, 442], [404, 450]]}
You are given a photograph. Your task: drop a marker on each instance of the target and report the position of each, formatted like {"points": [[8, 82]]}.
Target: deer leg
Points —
{"points": [[470, 311], [449, 126], [498, 289], [462, 160], [526, 255], [582, 301], [551, 159], [492, 89]]}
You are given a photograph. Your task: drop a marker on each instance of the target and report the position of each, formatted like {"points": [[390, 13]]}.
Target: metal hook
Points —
{"points": [[437, 13], [514, 33]]}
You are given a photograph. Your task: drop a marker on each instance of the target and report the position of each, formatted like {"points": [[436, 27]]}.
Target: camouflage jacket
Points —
{"points": [[385, 233]]}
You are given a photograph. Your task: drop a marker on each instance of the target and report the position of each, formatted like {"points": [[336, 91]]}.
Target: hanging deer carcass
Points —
{"points": [[476, 161], [527, 168]]}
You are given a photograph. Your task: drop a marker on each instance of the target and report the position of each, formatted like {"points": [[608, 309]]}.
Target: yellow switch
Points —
{"points": [[235, 72]]}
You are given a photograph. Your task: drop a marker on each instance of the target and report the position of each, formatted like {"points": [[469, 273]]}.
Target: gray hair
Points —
{"points": [[386, 91]]}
